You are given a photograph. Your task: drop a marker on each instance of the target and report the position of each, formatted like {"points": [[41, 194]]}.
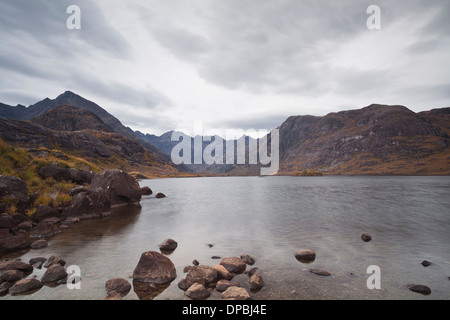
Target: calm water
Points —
{"points": [[271, 218]]}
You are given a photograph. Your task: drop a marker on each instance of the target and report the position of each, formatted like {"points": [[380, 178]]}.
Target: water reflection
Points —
{"points": [[148, 291]]}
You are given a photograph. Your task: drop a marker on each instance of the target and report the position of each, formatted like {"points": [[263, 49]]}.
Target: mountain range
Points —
{"points": [[377, 139]]}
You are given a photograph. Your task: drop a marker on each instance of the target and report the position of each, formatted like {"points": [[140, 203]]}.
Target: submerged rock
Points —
{"points": [[305, 255], [419, 289], [366, 237], [320, 272], [426, 263]]}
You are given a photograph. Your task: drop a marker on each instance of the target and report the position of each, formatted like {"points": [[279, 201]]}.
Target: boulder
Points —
{"points": [[184, 284], [4, 287], [234, 264], [153, 267], [39, 244], [37, 262], [160, 195], [16, 265], [54, 273], [146, 191], [87, 205], [25, 226], [320, 272], [235, 293], [366, 237], [197, 291], [81, 177], [202, 272], [419, 289], [120, 187], [11, 276], [305, 255], [24, 286], [14, 191], [55, 260], [119, 285], [223, 273], [46, 228], [14, 243], [44, 212], [6, 221], [55, 172], [256, 282], [223, 285], [168, 245], [248, 259]]}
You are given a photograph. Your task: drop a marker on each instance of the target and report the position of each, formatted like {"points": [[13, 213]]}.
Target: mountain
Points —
{"points": [[375, 140], [378, 139], [69, 98], [67, 118]]}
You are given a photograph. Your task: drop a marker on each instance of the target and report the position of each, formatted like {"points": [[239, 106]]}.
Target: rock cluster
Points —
{"points": [[14, 273]]}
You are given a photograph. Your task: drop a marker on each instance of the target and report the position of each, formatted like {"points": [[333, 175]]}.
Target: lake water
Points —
{"points": [[271, 218]]}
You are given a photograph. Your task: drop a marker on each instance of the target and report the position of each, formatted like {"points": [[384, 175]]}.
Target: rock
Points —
{"points": [[87, 205], [146, 191], [195, 262], [251, 272], [187, 268], [39, 244], [4, 287], [46, 228], [235, 293], [14, 190], [184, 284], [224, 284], [120, 187], [77, 190], [419, 289], [202, 272], [24, 286], [37, 262], [119, 285], [16, 265], [256, 282], [6, 221], [320, 272], [426, 263], [153, 267], [43, 212], [81, 177], [55, 272], [366, 237], [14, 243], [305, 255], [168, 245], [4, 233], [234, 264], [11, 276], [197, 291], [216, 257], [25, 226], [248, 259], [223, 273], [55, 260], [113, 295], [160, 195], [55, 172]]}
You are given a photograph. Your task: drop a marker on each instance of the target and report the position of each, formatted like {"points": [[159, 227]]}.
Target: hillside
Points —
{"points": [[377, 139]]}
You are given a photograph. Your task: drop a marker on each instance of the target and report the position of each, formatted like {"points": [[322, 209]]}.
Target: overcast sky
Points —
{"points": [[163, 64]]}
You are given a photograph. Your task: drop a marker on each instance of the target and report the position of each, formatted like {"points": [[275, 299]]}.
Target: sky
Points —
{"points": [[231, 64]]}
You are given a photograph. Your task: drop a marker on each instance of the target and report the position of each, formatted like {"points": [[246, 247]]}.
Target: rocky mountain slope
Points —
{"points": [[377, 139]]}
